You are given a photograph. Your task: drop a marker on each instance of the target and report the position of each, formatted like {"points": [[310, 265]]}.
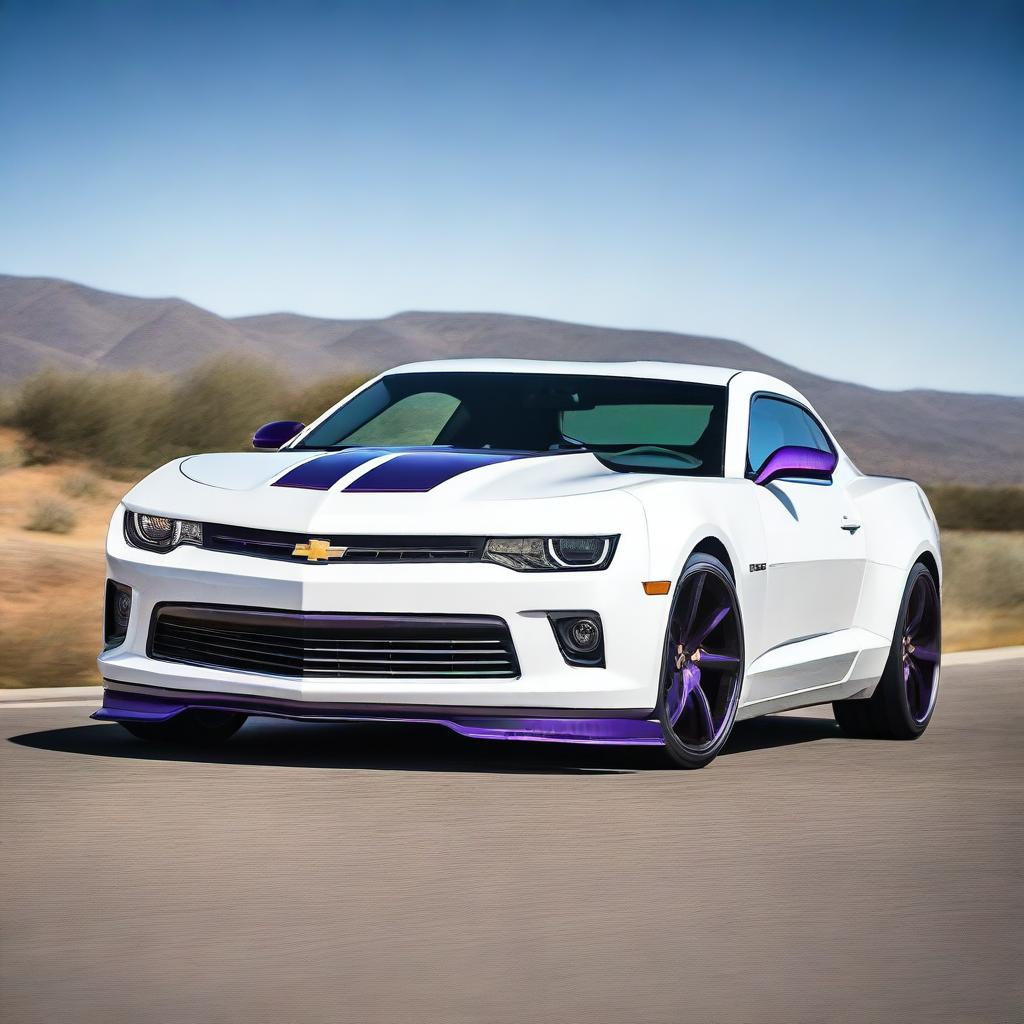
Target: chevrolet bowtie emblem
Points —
{"points": [[318, 551]]}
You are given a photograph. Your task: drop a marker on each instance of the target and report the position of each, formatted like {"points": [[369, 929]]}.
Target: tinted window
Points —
{"points": [[628, 423], [414, 420], [655, 423], [774, 423]]}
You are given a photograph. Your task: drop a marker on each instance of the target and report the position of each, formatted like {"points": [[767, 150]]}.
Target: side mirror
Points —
{"points": [[795, 461], [273, 435]]}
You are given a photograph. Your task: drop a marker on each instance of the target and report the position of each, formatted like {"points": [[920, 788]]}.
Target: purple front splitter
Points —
{"points": [[124, 706]]}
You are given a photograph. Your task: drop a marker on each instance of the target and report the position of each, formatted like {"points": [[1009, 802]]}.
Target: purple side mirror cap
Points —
{"points": [[795, 461], [276, 434]]}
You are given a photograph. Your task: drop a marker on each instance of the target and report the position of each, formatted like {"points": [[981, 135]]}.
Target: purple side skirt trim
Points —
{"points": [[123, 706]]}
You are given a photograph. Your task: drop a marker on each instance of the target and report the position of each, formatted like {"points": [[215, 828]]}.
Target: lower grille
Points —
{"points": [[331, 645]]}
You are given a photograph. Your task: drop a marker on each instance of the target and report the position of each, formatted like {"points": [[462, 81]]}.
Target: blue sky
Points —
{"points": [[839, 185]]}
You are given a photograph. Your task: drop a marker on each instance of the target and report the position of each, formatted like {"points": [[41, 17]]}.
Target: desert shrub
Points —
{"points": [[49, 515], [80, 484], [114, 417], [960, 507], [137, 420], [12, 458], [7, 404], [218, 405]]}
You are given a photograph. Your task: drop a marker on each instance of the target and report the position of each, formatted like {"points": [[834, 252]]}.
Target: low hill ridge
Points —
{"points": [[932, 436]]}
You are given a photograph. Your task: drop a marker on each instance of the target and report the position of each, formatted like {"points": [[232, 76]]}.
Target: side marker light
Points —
{"points": [[655, 588]]}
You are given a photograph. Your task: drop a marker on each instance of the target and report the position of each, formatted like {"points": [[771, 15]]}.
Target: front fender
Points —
{"points": [[683, 514]]}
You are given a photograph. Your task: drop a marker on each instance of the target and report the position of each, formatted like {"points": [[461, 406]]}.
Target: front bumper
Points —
{"points": [[634, 626]]}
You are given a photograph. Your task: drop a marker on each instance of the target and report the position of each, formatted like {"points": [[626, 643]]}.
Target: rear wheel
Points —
{"points": [[197, 727], [904, 700], [702, 664]]}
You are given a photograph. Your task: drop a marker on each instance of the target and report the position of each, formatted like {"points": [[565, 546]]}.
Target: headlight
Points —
{"points": [[158, 533], [537, 554]]}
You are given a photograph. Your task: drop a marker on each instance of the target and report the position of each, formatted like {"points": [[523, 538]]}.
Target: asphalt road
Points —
{"points": [[386, 874]]}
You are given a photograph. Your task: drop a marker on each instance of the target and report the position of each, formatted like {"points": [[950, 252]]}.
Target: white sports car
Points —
{"points": [[634, 553]]}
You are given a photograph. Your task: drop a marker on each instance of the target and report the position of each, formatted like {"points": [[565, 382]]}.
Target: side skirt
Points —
{"points": [[838, 666]]}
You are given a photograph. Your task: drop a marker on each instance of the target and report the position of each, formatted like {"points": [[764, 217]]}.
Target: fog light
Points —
{"points": [[117, 613], [584, 635], [580, 637]]}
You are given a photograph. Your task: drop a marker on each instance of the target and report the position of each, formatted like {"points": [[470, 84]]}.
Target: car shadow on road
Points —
{"points": [[412, 748]]}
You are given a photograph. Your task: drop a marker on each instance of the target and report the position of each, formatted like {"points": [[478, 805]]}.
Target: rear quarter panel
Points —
{"points": [[899, 529]]}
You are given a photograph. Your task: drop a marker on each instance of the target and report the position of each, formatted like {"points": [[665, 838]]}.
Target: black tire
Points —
{"points": [[718, 682], [900, 709], [196, 727]]}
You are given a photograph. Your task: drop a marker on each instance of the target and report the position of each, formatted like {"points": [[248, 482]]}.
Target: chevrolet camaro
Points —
{"points": [[614, 553]]}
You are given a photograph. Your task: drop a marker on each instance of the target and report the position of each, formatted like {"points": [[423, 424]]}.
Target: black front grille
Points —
{"points": [[333, 645], [276, 544]]}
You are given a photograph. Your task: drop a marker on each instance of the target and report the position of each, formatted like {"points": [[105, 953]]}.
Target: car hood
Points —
{"points": [[382, 491]]}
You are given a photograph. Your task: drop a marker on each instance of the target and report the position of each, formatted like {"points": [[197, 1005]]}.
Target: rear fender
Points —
{"points": [[899, 528]]}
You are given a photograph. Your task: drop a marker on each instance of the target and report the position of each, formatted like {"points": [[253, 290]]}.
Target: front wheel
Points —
{"points": [[702, 669], [196, 727], [904, 700]]}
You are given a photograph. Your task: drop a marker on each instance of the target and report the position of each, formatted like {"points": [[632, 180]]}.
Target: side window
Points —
{"points": [[774, 423], [414, 420]]}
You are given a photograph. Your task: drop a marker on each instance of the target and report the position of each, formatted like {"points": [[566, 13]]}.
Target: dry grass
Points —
{"points": [[51, 584], [959, 507], [50, 515], [140, 420], [80, 484], [11, 458], [50, 610], [983, 591]]}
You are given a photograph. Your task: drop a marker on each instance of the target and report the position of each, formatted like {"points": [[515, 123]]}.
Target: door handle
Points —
{"points": [[850, 525]]}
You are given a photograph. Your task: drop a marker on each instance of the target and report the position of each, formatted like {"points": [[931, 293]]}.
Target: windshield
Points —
{"points": [[628, 423]]}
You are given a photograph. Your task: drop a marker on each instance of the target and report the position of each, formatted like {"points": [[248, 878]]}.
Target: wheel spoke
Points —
{"points": [[675, 699], [925, 654], [691, 616], [710, 625], [689, 682], [915, 609], [915, 686], [714, 660], [675, 636], [672, 700], [700, 700]]}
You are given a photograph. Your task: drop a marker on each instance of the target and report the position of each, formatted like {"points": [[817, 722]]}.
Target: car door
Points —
{"points": [[814, 546]]}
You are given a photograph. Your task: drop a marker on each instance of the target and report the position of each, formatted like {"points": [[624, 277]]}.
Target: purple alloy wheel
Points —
{"points": [[920, 648], [703, 661]]}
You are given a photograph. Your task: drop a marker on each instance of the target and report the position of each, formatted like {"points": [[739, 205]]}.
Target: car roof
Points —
{"points": [[639, 368]]}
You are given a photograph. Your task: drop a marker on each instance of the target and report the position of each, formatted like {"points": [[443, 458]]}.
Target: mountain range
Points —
{"points": [[932, 436]]}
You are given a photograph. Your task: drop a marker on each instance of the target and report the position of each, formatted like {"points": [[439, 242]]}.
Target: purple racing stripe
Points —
{"points": [[323, 473], [422, 471]]}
